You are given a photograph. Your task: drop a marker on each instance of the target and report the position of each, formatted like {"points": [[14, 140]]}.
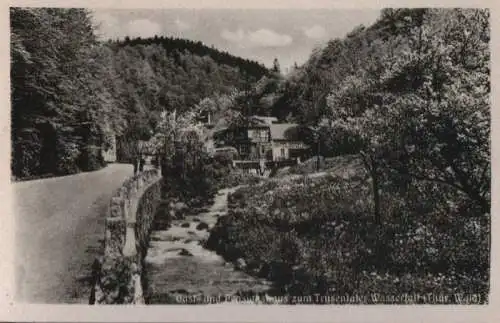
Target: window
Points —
{"points": [[282, 152], [263, 135], [244, 149], [258, 135]]}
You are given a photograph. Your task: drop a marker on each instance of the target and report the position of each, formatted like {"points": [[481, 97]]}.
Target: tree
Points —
{"points": [[420, 104], [55, 91]]}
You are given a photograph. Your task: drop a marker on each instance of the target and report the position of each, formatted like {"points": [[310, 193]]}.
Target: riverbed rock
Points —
{"points": [[195, 202], [171, 214], [179, 209], [202, 226], [185, 252], [180, 206], [185, 225]]}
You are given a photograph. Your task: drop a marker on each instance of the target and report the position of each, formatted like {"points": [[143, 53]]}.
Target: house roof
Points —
{"points": [[267, 120], [280, 131]]}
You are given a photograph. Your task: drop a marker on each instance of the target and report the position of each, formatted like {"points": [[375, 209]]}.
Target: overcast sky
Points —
{"points": [[259, 34]]}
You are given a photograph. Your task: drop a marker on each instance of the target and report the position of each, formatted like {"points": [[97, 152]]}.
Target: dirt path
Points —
{"points": [[180, 269], [59, 227]]}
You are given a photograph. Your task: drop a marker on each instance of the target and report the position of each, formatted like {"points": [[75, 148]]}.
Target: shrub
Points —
{"points": [[90, 158]]}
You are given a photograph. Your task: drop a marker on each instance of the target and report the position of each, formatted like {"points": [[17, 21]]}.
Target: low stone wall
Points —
{"points": [[118, 273]]}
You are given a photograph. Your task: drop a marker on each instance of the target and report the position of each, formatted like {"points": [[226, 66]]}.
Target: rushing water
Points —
{"points": [[180, 270]]}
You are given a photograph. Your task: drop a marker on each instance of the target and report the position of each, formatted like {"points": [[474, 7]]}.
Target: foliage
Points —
{"points": [[161, 74], [420, 103], [27, 150], [190, 172], [317, 235], [70, 89], [177, 46], [56, 90], [411, 93], [341, 164]]}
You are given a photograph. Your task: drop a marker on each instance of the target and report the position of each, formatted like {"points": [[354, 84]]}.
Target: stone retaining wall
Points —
{"points": [[117, 274]]}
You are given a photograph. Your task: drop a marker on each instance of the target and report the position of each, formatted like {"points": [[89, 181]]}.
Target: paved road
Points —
{"points": [[59, 231]]}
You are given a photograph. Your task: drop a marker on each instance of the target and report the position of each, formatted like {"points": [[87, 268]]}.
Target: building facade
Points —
{"points": [[263, 140], [286, 142]]}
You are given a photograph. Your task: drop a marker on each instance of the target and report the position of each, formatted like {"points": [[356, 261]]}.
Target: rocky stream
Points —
{"points": [[180, 270]]}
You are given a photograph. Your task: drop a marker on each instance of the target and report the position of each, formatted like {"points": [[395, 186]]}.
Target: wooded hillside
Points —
{"points": [[70, 91]]}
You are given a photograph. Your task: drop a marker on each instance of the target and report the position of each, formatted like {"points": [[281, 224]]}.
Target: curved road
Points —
{"points": [[59, 232]]}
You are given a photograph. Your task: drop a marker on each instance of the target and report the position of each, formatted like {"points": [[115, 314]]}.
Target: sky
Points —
{"points": [[290, 35]]}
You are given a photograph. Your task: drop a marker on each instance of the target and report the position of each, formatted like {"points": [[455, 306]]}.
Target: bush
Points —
{"points": [[237, 177], [345, 162]]}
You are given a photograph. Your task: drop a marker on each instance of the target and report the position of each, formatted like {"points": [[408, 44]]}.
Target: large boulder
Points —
{"points": [[185, 252], [177, 210], [202, 226], [180, 207]]}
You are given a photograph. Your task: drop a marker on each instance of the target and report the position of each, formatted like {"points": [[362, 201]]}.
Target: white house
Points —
{"points": [[286, 142]]}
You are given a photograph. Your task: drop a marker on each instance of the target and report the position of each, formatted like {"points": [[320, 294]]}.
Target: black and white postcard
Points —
{"points": [[268, 161]]}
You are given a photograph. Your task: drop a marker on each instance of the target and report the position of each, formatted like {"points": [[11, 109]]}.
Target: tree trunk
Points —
{"points": [[372, 167], [376, 193]]}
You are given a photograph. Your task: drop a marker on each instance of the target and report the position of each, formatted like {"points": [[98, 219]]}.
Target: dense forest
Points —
{"points": [[179, 45], [71, 92]]}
